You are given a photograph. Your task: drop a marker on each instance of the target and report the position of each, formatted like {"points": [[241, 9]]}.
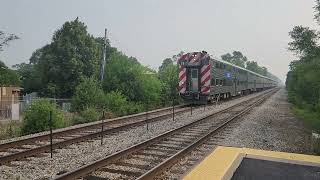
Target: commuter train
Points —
{"points": [[203, 79]]}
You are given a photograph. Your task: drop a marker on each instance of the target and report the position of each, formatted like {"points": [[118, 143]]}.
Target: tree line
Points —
{"points": [[7, 75], [237, 58], [303, 78], [69, 66]]}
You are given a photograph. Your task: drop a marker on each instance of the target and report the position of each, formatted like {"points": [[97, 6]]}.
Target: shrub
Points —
{"points": [[87, 115], [36, 117], [310, 117], [88, 94], [117, 103]]}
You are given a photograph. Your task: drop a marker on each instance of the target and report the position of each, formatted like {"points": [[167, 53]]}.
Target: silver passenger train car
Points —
{"points": [[203, 79]]}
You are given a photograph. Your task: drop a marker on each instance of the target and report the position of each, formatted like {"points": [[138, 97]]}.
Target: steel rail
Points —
{"points": [[176, 157], [61, 132], [87, 169], [46, 148]]}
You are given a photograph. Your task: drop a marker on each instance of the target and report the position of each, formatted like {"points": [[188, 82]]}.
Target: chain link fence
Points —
{"points": [[13, 110]]}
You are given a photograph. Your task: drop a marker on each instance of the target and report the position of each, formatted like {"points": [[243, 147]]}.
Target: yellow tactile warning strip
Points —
{"points": [[222, 163]]}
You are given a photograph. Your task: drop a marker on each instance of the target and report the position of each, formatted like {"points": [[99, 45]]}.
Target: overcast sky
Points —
{"points": [[152, 30]]}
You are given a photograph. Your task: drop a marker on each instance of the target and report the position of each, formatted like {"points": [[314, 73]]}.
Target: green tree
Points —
{"points": [[236, 58], [253, 66], [5, 39], [169, 80], [134, 81], [8, 76], [72, 54], [302, 81], [88, 94], [304, 42], [166, 62], [30, 78]]}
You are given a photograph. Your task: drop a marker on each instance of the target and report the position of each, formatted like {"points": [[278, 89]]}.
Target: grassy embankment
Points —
{"points": [[312, 119]]}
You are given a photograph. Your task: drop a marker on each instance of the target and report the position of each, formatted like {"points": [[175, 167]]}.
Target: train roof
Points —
{"points": [[220, 60]]}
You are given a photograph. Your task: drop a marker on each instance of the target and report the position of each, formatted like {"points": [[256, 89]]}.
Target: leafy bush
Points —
{"points": [[310, 117], [36, 117], [136, 82], [88, 94], [117, 103], [90, 115], [87, 115]]}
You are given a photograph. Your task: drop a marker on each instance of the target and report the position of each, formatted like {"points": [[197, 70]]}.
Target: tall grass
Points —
{"points": [[10, 129]]}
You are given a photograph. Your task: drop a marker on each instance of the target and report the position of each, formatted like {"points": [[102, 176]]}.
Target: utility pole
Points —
{"points": [[103, 61], [103, 64]]}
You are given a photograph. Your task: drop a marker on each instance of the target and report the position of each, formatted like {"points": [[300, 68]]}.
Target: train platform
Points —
{"points": [[245, 164]]}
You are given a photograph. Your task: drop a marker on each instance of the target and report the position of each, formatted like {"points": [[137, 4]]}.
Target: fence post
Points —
{"points": [[147, 108], [173, 109], [50, 124], [218, 98], [102, 126]]}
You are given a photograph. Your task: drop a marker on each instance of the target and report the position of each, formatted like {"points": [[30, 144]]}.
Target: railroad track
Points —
{"points": [[148, 159], [35, 145]]}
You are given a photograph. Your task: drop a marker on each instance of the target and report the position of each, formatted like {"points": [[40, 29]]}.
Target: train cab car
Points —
{"points": [[203, 79], [194, 76]]}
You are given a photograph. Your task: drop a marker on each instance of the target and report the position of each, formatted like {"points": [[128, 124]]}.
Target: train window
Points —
{"points": [[221, 82], [183, 62], [194, 73], [213, 82], [205, 61], [217, 82]]}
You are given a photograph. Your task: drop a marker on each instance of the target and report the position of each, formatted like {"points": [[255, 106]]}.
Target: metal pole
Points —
{"points": [[103, 61], [50, 124], [102, 126], [147, 115], [173, 109]]}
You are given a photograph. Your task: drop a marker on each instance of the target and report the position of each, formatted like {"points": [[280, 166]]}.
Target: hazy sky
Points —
{"points": [[152, 30]]}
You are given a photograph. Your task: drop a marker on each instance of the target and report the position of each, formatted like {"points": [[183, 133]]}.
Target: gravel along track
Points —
{"points": [[76, 155], [31, 146], [270, 126], [146, 159]]}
